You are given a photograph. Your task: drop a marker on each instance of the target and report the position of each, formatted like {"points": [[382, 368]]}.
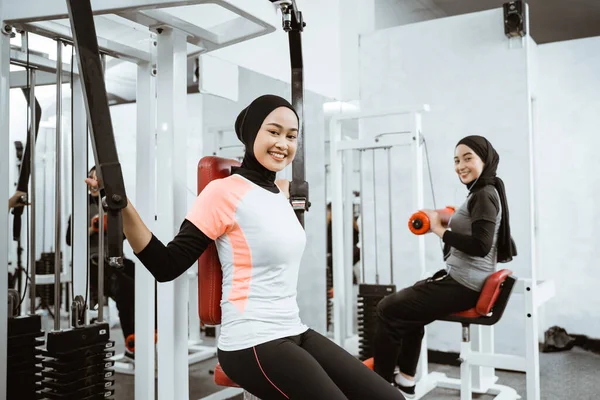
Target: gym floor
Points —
{"points": [[572, 374]]}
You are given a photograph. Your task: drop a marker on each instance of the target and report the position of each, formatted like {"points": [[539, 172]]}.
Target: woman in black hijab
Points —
{"points": [[263, 345], [479, 238]]}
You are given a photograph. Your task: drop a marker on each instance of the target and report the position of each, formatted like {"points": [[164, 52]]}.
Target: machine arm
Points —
{"points": [[101, 130], [25, 172], [293, 24]]}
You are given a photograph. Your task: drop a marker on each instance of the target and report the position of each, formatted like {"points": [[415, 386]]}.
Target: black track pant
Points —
{"points": [[402, 316], [304, 367]]}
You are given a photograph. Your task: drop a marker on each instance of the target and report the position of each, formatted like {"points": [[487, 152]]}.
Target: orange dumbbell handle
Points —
{"points": [[96, 223], [419, 224]]}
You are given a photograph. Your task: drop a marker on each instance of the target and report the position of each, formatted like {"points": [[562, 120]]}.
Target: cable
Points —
{"points": [[431, 183], [429, 171], [72, 226], [30, 144]]}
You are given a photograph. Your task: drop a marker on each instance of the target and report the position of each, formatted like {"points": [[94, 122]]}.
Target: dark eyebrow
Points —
{"points": [[281, 127], [468, 153]]}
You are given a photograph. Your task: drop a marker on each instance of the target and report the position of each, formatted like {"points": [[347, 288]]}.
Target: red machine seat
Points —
{"points": [[221, 379], [209, 267], [492, 301]]}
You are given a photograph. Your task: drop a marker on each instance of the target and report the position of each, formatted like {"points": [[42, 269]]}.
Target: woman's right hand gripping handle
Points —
{"points": [[137, 233]]}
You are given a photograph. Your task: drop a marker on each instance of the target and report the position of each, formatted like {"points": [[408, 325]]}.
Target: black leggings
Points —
{"points": [[307, 366], [402, 316], [119, 284]]}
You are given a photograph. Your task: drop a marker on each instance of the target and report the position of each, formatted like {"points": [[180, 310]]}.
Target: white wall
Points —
{"points": [[568, 185], [269, 55], [329, 41], [476, 84]]}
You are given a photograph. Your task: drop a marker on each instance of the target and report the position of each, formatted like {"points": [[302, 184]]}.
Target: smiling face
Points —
{"points": [[277, 139], [467, 164]]}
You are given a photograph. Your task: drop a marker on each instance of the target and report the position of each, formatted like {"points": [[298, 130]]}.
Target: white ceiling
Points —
{"points": [[550, 20]]}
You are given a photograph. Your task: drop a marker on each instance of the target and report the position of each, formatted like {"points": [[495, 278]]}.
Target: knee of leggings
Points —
{"points": [[383, 308]]}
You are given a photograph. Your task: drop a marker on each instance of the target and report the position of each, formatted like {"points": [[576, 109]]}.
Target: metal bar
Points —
{"points": [[4, 185], [337, 230], [391, 224], [259, 12], [57, 187], [373, 144], [381, 113], [18, 79], [299, 190], [105, 150], [375, 221], [101, 256], [362, 216], [54, 29], [145, 203], [172, 310], [79, 218], [32, 195], [18, 57]]}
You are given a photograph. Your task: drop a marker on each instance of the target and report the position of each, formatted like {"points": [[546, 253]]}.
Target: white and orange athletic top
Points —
{"points": [[260, 245]]}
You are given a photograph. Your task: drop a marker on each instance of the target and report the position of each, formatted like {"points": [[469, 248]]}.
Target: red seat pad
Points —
{"points": [[489, 295], [221, 379], [210, 275]]}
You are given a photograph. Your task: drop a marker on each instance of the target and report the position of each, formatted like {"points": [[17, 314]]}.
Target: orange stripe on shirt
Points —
{"points": [[213, 213]]}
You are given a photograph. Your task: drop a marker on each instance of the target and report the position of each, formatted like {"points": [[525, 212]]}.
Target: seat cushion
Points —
{"points": [[487, 298], [221, 379], [491, 291]]}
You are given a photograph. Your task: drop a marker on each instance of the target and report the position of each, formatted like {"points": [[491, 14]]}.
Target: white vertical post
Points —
{"points": [[348, 225], [195, 118], [418, 203], [172, 296], [79, 219], [4, 182], [337, 230], [532, 354], [145, 199]]}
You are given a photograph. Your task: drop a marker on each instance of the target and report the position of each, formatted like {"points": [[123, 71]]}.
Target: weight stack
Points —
{"points": [[77, 366], [45, 266], [24, 358], [368, 298]]}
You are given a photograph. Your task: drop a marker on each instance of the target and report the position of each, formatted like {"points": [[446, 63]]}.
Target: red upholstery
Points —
{"points": [[209, 267], [489, 295], [221, 379]]}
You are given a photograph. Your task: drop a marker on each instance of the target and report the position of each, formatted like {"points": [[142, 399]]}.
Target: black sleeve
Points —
{"points": [[483, 208], [166, 263]]}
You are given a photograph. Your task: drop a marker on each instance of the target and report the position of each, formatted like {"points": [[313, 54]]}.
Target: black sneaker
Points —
{"points": [[407, 391]]}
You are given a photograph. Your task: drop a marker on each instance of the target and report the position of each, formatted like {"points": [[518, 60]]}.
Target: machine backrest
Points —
{"points": [[210, 275], [492, 288]]}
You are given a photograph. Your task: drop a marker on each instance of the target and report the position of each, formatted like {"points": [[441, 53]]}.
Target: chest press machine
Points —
{"points": [[210, 168]]}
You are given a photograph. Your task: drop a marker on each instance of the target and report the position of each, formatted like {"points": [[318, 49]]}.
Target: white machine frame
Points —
{"points": [[162, 98], [477, 356]]}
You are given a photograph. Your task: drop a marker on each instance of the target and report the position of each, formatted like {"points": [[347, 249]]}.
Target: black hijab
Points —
{"points": [[484, 149], [247, 125]]}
